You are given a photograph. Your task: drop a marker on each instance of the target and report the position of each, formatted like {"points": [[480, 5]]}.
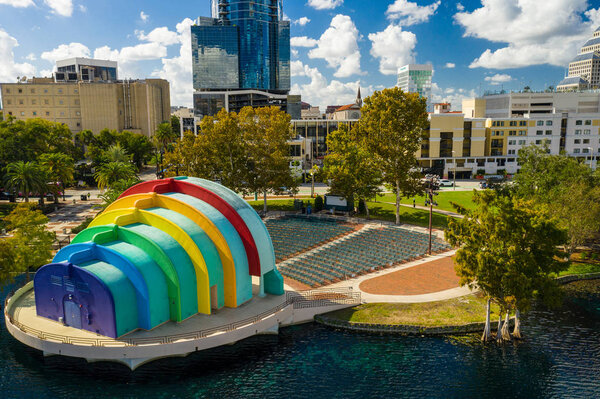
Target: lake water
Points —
{"points": [[560, 358]]}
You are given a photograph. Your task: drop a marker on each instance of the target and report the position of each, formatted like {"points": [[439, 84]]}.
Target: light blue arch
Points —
{"points": [[243, 279], [205, 245]]}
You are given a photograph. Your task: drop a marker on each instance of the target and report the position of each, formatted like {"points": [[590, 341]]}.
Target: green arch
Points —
{"points": [[161, 255]]}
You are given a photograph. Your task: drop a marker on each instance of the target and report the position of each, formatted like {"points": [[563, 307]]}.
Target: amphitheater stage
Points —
{"points": [[261, 315]]}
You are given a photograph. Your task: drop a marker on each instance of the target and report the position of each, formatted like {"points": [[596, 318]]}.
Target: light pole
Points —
{"points": [[454, 175], [591, 157], [432, 186]]}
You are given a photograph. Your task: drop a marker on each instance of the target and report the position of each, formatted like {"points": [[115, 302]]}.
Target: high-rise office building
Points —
{"points": [[584, 70], [241, 56], [415, 78]]}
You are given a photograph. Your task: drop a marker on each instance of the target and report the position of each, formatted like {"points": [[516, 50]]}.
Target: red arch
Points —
{"points": [[177, 186]]}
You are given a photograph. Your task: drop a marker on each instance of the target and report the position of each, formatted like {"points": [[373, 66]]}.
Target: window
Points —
{"points": [[34, 113], [576, 151], [32, 91], [588, 122], [76, 102], [578, 123], [60, 102], [20, 91], [512, 152], [585, 150], [538, 142], [7, 91], [47, 113], [8, 102], [60, 91], [548, 123], [45, 90], [20, 102], [512, 133], [62, 114], [577, 141], [548, 132], [540, 123], [513, 123], [78, 124], [539, 132], [522, 132], [46, 102], [512, 142], [22, 113], [587, 131], [586, 141], [521, 142], [33, 102], [76, 91], [78, 113], [522, 123], [578, 131]]}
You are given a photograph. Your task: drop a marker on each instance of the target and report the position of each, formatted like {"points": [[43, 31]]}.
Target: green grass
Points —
{"points": [[444, 199], [277, 205], [581, 268], [417, 217], [452, 312]]}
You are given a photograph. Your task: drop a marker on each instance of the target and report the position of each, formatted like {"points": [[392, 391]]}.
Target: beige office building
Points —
{"points": [[138, 106]]}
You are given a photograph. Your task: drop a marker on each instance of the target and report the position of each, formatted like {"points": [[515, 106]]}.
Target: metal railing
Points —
{"points": [[299, 300]]}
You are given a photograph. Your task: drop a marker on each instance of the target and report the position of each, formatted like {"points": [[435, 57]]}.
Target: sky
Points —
{"points": [[337, 45]]}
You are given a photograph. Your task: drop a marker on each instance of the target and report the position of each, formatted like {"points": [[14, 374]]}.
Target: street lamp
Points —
{"points": [[454, 176], [591, 157], [432, 185], [314, 170]]}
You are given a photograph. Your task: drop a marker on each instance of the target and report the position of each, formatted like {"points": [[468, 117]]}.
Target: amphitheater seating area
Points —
{"points": [[294, 235], [367, 250]]}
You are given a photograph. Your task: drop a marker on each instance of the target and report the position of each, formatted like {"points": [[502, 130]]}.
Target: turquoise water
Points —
{"points": [[559, 359]]}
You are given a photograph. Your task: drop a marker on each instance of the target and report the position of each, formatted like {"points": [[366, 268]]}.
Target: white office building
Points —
{"points": [[414, 78]]}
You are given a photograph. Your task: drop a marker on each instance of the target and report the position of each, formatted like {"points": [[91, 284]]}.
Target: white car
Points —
{"points": [[446, 183]]}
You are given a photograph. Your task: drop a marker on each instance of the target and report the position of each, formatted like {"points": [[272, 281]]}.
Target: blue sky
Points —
{"points": [[474, 45]]}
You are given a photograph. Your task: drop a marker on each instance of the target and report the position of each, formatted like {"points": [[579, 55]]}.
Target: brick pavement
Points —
{"points": [[425, 278]]}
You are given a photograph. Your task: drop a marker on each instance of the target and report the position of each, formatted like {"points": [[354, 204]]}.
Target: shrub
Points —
{"points": [[82, 226], [319, 205], [361, 207]]}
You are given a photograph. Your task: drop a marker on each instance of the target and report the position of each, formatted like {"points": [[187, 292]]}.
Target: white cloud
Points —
{"points": [[408, 13], [63, 8], [143, 16], [450, 65], [534, 35], [302, 21], [303, 41], [9, 69], [460, 7], [319, 92], [82, 8], [394, 48], [178, 70], [31, 57], [295, 53], [498, 78], [160, 35], [65, 51], [18, 3], [325, 4], [338, 45]]}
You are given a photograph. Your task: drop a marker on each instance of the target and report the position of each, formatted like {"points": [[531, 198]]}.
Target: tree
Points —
{"points": [[32, 242], [8, 261], [115, 191], [59, 168], [110, 173], [350, 167], [266, 132], [392, 123], [138, 146], [568, 188], [25, 177], [116, 153], [508, 249], [163, 136], [175, 125]]}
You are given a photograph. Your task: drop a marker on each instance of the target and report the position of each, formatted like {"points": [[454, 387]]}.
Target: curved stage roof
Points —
{"points": [[165, 250]]}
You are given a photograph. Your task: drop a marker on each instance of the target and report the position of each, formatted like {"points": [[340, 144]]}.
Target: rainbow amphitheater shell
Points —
{"points": [[164, 251]]}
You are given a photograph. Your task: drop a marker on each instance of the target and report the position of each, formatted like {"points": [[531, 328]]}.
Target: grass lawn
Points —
{"points": [[417, 217], [453, 312], [277, 205], [444, 199], [583, 265]]}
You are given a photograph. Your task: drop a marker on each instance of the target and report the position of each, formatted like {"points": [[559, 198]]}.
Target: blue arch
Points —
{"points": [[243, 279], [85, 253]]}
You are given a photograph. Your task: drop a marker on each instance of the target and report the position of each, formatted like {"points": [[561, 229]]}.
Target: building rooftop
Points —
{"points": [[572, 80], [592, 42], [587, 56]]}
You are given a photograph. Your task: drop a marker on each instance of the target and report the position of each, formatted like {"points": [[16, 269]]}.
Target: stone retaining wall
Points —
{"points": [[403, 329], [577, 277]]}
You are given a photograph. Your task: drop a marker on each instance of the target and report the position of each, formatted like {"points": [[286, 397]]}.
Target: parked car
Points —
{"points": [[446, 183]]}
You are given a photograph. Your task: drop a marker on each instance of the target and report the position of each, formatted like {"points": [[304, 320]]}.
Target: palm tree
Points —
{"points": [[60, 167], [25, 177], [163, 136], [116, 153], [112, 172]]}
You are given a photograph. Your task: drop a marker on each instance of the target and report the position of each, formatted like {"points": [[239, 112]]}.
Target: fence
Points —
{"points": [[299, 300]]}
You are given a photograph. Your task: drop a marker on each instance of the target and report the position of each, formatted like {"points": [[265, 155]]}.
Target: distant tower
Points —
{"points": [[359, 100]]}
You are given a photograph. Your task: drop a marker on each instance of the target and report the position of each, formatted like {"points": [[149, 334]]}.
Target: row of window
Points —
{"points": [[34, 102], [585, 131], [33, 91], [510, 123], [541, 123], [581, 122], [35, 114]]}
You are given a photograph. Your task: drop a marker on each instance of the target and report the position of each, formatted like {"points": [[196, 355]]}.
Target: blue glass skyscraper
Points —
{"points": [[241, 56]]}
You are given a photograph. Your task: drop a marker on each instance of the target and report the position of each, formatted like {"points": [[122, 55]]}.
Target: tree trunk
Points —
{"points": [[367, 209], [499, 330], [64, 194], [397, 202], [517, 331], [265, 204], [505, 327], [487, 331]]}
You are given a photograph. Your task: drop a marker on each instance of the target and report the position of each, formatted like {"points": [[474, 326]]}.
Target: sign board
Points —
{"points": [[339, 203]]}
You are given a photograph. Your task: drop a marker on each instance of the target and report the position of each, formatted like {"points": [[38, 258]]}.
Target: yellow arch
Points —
{"points": [[124, 217], [153, 200]]}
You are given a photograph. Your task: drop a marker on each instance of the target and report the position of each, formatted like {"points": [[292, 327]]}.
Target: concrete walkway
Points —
{"points": [[424, 208]]}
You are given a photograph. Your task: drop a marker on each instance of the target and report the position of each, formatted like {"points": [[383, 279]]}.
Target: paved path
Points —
{"points": [[70, 216], [447, 213]]}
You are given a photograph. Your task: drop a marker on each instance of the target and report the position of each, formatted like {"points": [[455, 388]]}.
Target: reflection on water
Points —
{"points": [[559, 358]]}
